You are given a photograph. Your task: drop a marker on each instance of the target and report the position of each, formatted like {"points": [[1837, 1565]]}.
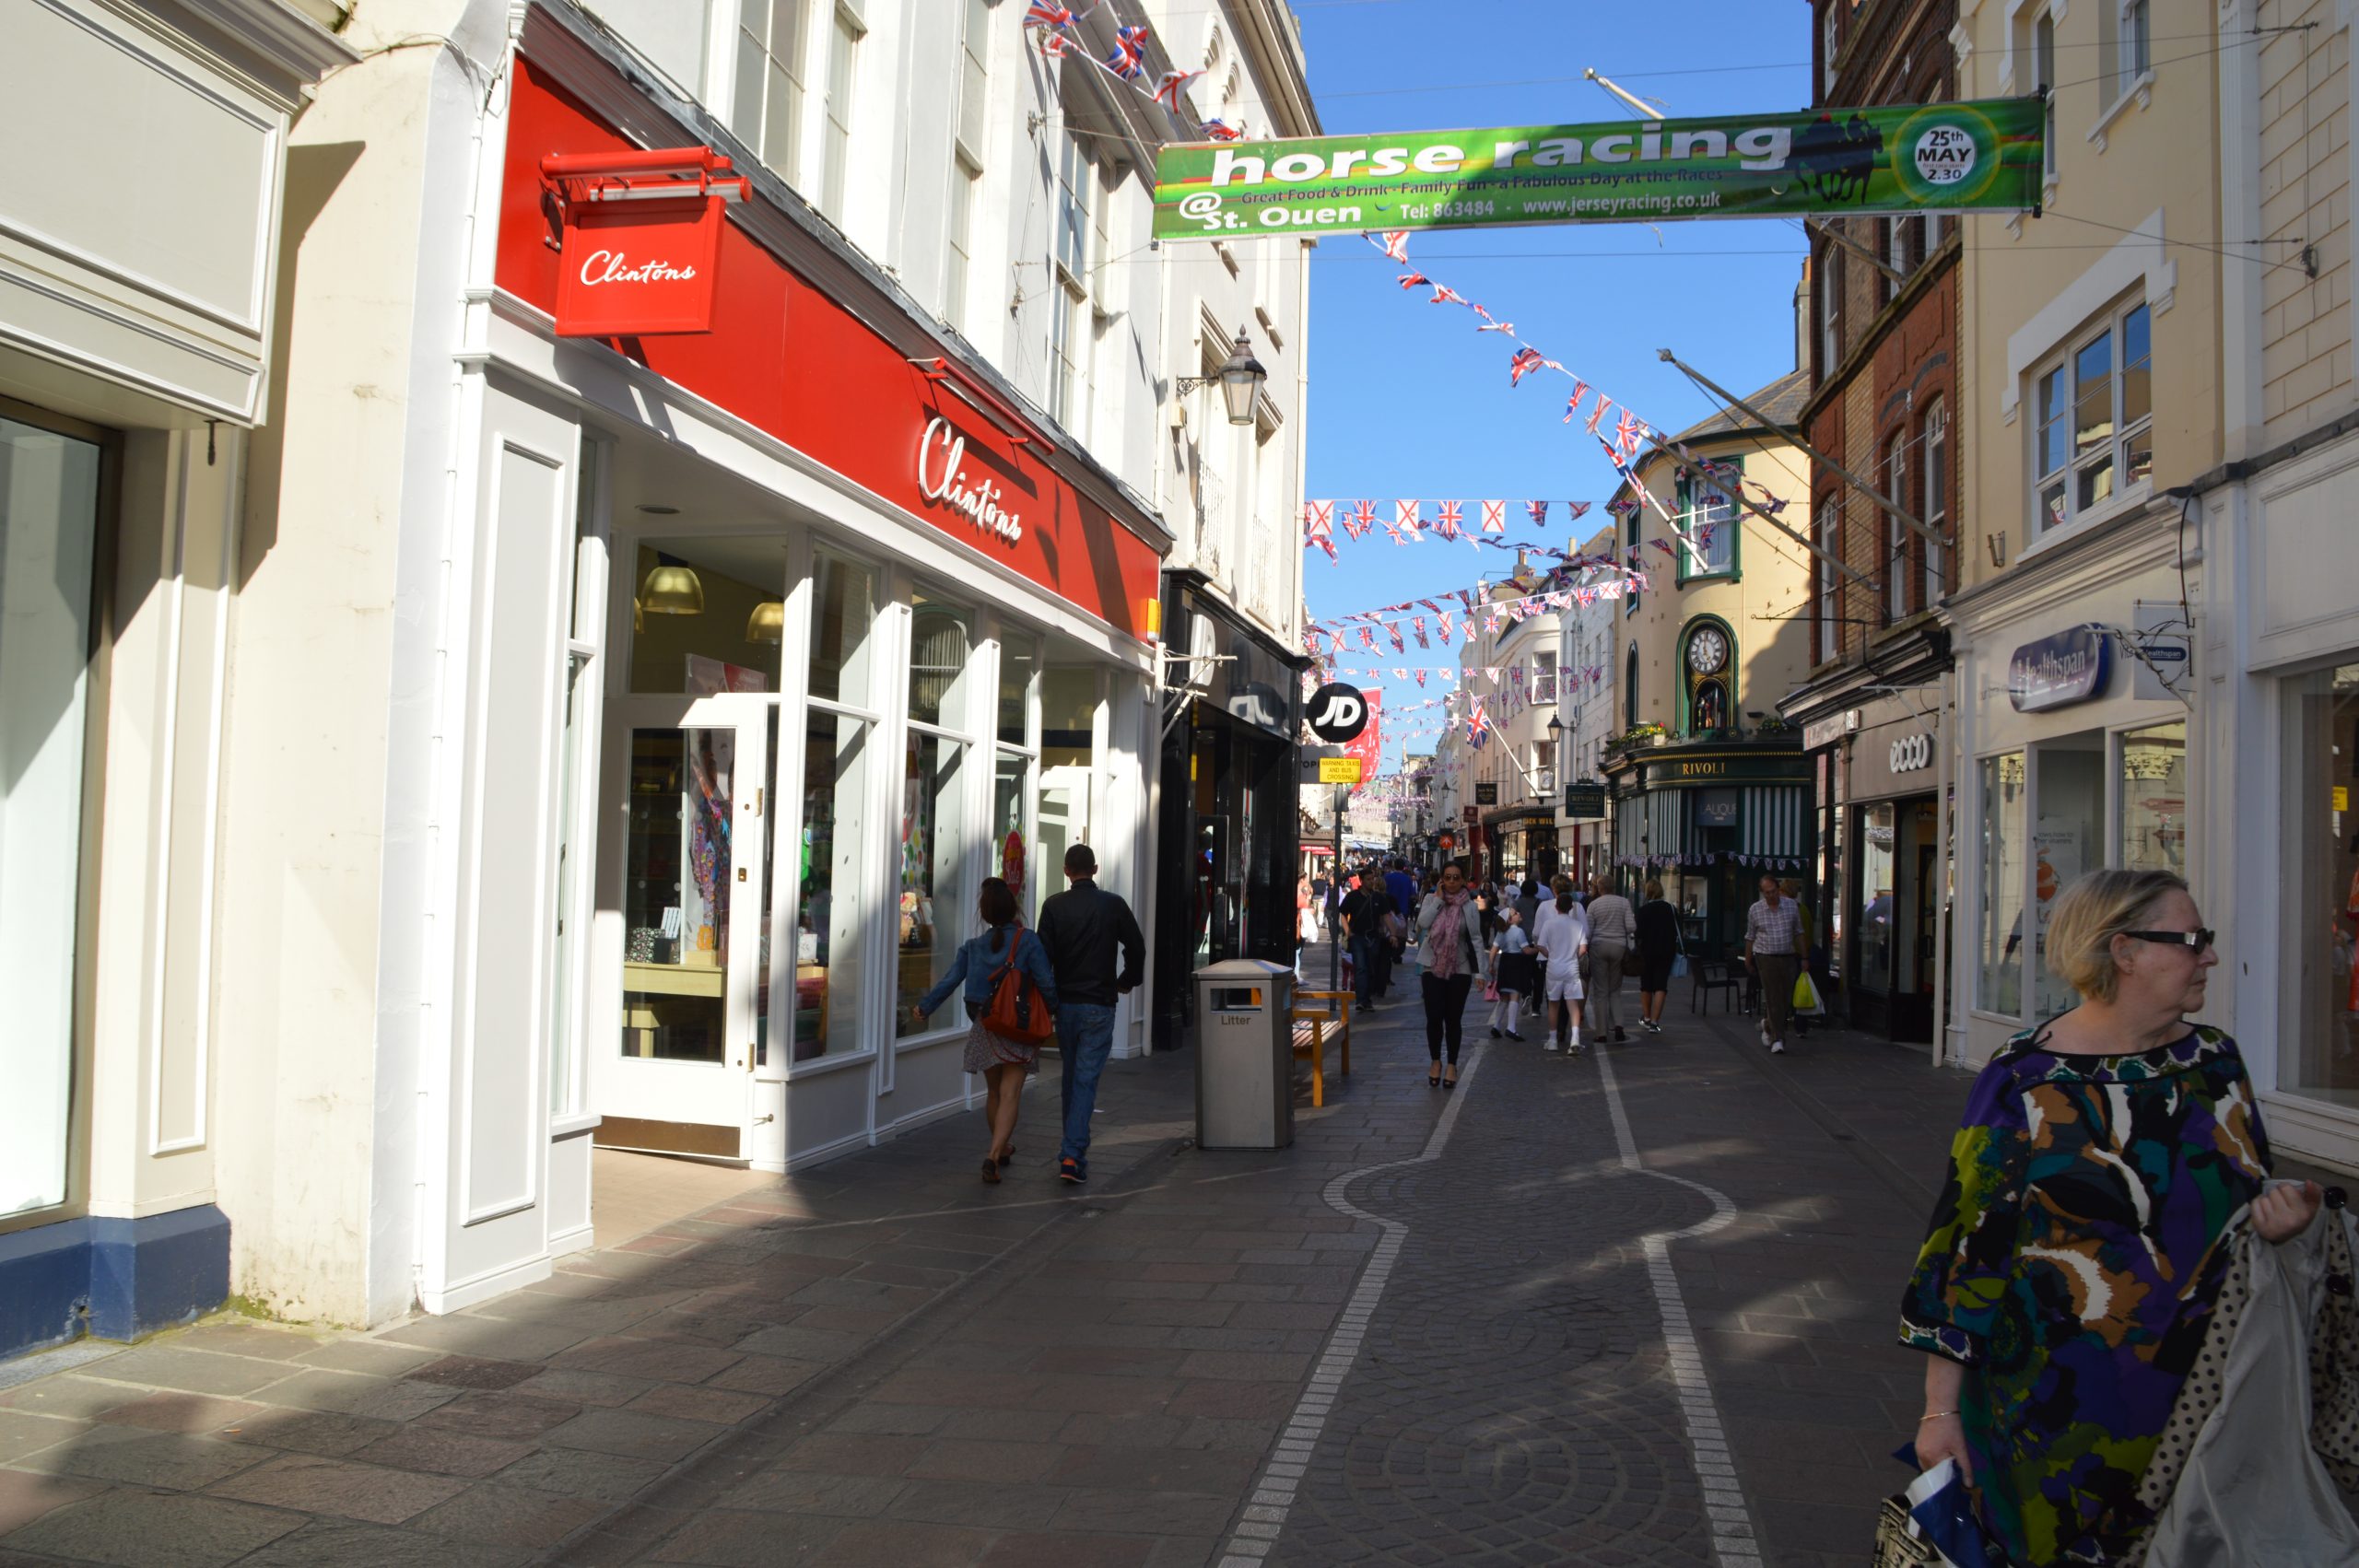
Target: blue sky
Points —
{"points": [[1406, 399]]}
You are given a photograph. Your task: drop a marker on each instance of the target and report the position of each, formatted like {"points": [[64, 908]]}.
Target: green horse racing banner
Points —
{"points": [[1983, 155]]}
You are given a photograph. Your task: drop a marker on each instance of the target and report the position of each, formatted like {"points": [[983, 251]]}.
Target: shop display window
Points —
{"points": [[1010, 838], [48, 518], [827, 947], [2000, 920], [942, 641], [676, 870], [2066, 836], [2320, 1029], [1019, 666], [707, 616], [1878, 835], [843, 617], [935, 894], [2152, 777]]}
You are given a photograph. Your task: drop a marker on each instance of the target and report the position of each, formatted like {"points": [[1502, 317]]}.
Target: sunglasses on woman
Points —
{"points": [[2198, 939]]}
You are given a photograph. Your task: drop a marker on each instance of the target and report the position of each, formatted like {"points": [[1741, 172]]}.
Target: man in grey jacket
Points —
{"points": [[1613, 926]]}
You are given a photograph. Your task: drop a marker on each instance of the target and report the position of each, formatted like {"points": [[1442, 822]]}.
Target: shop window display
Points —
{"points": [[2000, 920], [707, 617], [675, 895], [935, 900], [2153, 781], [49, 506], [2323, 856], [1877, 841], [2066, 840], [827, 947], [941, 637]]}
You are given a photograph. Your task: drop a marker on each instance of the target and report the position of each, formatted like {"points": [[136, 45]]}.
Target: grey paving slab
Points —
{"points": [[343, 1488], [142, 1529]]}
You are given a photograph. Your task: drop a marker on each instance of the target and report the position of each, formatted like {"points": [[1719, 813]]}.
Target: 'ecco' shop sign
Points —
{"points": [[2059, 670], [942, 478]]}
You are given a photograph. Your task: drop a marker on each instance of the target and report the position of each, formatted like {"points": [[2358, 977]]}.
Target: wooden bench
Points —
{"points": [[1313, 1027]]}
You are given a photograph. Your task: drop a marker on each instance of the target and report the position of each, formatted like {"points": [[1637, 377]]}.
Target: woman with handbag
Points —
{"points": [[983, 963], [1658, 955], [1451, 953], [2066, 1288]]}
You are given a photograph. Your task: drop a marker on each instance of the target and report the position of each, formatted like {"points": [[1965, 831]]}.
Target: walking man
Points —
{"points": [[1773, 931], [1363, 914], [1403, 887], [1087, 930], [1612, 928]]}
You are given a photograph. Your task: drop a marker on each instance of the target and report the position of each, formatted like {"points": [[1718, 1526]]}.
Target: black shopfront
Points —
{"points": [[1227, 844]]}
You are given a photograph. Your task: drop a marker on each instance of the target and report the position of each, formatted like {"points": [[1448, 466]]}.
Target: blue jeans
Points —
{"points": [[1368, 955], [1085, 1039]]}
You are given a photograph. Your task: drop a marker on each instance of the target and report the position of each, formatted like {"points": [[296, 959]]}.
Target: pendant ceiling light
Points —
{"points": [[672, 589], [767, 623]]}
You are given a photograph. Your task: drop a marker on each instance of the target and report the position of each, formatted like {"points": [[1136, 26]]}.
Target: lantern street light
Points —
{"points": [[1240, 379]]}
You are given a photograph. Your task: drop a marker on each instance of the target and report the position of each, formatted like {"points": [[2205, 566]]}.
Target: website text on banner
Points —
{"points": [[1983, 155]]}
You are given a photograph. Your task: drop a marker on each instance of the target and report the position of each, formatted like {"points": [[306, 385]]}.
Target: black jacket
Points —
{"points": [[1082, 927], [1365, 908]]}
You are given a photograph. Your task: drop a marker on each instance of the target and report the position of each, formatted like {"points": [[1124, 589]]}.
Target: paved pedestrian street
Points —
{"points": [[1633, 1307]]}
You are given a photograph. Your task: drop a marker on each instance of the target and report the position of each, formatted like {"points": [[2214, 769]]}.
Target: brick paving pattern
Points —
{"points": [[882, 1362]]}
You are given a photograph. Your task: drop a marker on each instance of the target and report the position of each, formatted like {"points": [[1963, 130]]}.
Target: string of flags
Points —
{"points": [[1629, 435], [1404, 522], [1126, 63]]}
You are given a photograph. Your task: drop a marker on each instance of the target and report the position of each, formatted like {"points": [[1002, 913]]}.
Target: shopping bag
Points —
{"points": [[1679, 965], [1806, 995], [1491, 988], [1932, 1525]]}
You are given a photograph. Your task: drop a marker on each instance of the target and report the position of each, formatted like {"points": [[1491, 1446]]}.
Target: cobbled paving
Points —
{"points": [[1512, 1402]]}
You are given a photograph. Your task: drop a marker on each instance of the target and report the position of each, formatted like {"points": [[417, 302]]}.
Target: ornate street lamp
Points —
{"points": [[1240, 379]]}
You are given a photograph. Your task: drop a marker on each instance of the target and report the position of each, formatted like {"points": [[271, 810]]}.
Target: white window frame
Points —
{"points": [[1825, 529], [2043, 73], [846, 29], [2115, 450], [763, 119], [1830, 38], [1933, 430], [1896, 532], [1830, 307]]}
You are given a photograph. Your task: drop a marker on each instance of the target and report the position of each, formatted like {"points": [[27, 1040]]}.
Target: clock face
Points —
{"points": [[1707, 650]]}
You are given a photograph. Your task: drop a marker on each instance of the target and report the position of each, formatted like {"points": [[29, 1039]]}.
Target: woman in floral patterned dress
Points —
{"points": [[2064, 1289]]}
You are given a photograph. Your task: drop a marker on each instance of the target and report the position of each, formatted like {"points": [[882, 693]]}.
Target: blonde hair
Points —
{"points": [[2090, 913], [1654, 888]]}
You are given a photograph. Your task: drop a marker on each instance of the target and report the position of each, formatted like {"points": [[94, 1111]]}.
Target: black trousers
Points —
{"points": [[1446, 1012]]}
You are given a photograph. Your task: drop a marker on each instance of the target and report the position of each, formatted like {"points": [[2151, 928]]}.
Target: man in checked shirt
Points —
{"points": [[1773, 941]]}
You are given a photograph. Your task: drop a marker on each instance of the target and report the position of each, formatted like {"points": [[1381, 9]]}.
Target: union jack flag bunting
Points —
{"points": [[1421, 677], [1368, 639], [1441, 630], [1168, 88], [1363, 518], [1417, 626], [1447, 524], [1129, 59], [1573, 403], [1603, 403], [1579, 509], [1773, 506], [1430, 605], [1539, 510], [1413, 280], [1491, 625], [1394, 242], [1494, 516], [1478, 726], [1056, 46], [1445, 295], [1526, 360], [1398, 645], [1222, 131], [1626, 433], [1043, 15]]}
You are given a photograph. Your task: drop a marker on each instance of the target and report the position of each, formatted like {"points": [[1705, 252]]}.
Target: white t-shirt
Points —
{"points": [[1563, 934]]}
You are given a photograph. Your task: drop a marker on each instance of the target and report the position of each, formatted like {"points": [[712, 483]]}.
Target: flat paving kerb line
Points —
{"points": [[1263, 1520]]}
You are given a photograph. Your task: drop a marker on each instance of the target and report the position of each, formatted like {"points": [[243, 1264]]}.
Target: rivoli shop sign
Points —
{"points": [[640, 238]]}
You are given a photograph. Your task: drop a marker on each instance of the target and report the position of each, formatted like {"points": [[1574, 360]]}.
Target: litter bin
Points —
{"points": [[1244, 1055]]}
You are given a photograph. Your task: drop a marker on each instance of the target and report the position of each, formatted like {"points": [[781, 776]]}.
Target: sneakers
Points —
{"points": [[1070, 1170], [1777, 1048], [1552, 1048], [1650, 1026]]}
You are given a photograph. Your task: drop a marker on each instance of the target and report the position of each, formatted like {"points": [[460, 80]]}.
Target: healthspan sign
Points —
{"points": [[1982, 154]]}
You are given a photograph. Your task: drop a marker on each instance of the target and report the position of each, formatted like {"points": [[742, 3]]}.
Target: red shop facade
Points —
{"points": [[779, 622]]}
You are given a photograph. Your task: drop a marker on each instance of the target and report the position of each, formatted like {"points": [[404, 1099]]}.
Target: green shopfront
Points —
{"points": [[1708, 820]]}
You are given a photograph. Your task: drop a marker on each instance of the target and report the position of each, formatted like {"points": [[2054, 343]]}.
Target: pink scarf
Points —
{"points": [[1449, 933]]}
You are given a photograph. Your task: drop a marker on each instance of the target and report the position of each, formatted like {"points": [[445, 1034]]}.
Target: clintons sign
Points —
{"points": [[641, 237], [942, 479]]}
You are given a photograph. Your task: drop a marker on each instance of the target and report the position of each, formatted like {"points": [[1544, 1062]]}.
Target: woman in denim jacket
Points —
{"points": [[1003, 1062]]}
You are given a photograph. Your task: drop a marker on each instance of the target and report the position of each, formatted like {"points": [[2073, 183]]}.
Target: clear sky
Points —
{"points": [[1406, 398]]}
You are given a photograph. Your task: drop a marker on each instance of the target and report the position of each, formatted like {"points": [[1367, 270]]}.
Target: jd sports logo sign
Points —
{"points": [[1338, 713]]}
